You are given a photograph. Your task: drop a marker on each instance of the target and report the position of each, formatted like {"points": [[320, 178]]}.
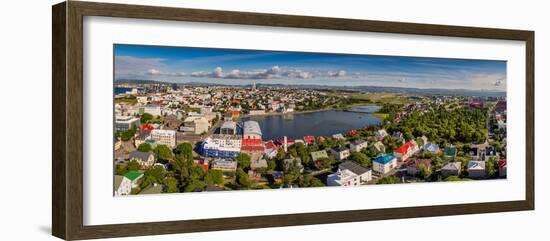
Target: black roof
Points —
{"points": [[354, 167]]}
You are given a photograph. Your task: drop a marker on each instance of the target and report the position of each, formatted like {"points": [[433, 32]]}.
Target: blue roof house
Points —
{"points": [[384, 163], [433, 148]]}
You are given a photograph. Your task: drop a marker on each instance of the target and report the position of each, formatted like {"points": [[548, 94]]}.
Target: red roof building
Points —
{"points": [[309, 139], [147, 127], [252, 145], [405, 151], [352, 132]]}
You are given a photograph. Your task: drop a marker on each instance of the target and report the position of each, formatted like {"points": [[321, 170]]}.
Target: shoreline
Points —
{"points": [[347, 109]]}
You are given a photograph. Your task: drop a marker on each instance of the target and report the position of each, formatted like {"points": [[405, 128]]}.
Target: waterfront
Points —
{"points": [[321, 123]]}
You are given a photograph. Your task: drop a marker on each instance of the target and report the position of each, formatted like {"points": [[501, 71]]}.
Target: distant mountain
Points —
{"points": [[401, 90], [138, 82]]}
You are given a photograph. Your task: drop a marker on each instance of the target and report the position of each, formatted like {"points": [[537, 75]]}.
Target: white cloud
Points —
{"points": [[161, 73], [153, 72], [271, 73], [340, 73]]}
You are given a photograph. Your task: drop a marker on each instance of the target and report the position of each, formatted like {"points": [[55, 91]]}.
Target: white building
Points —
{"points": [[476, 169], [151, 109], [223, 146], [229, 128], [195, 125], [340, 153], [252, 131], [381, 134], [358, 145], [164, 137], [349, 174], [123, 185], [256, 112], [123, 123], [384, 163], [224, 165]]}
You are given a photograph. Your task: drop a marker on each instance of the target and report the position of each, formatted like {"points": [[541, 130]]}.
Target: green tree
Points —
{"points": [[171, 185], [491, 166], [456, 179], [309, 181], [242, 179], [133, 165], [281, 154], [127, 134], [424, 171], [146, 118], [271, 165], [144, 147], [186, 150], [121, 169], [361, 159], [389, 180], [243, 160], [163, 152], [195, 185], [152, 176], [213, 177], [182, 169]]}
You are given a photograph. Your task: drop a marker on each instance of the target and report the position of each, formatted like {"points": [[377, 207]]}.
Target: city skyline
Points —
{"points": [[242, 67]]}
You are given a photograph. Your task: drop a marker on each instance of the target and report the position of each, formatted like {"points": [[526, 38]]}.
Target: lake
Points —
{"points": [[367, 109], [122, 90], [322, 123]]}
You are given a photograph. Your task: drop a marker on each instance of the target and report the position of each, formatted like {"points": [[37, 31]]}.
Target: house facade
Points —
{"points": [[384, 163], [164, 137], [405, 151], [222, 146], [123, 185], [134, 178], [145, 159], [358, 145], [451, 169], [340, 153], [476, 169], [349, 174]]}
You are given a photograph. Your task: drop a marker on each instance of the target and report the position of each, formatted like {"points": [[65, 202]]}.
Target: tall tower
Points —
{"points": [[254, 85]]}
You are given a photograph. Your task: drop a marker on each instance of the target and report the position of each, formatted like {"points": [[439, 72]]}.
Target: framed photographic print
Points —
{"points": [[251, 120]]}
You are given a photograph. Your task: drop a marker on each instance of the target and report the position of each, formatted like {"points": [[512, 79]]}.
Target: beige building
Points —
{"points": [[164, 137], [195, 125]]}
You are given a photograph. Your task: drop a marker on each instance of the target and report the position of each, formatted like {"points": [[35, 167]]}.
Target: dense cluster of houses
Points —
{"points": [[218, 150]]}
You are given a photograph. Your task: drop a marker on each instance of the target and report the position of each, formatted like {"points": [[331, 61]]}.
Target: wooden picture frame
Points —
{"points": [[67, 137]]}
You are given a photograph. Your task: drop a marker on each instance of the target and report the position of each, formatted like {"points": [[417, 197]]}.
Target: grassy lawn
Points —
{"points": [[127, 99], [373, 98], [381, 115]]}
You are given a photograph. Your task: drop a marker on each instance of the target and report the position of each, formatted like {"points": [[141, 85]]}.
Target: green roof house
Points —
{"points": [[316, 155], [134, 177], [450, 151]]}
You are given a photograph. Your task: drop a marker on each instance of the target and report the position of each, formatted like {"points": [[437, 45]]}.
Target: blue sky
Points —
{"points": [[232, 66]]}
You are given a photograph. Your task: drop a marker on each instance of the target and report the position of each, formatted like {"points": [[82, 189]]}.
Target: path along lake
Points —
{"points": [[321, 123]]}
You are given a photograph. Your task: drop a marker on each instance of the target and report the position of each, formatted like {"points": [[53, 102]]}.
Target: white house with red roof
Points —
{"points": [[405, 151]]}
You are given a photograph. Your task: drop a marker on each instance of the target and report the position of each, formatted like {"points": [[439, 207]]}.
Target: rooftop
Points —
{"points": [[229, 125], [452, 166], [353, 167], [384, 158], [476, 165], [318, 154], [133, 175], [140, 155], [251, 127]]}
